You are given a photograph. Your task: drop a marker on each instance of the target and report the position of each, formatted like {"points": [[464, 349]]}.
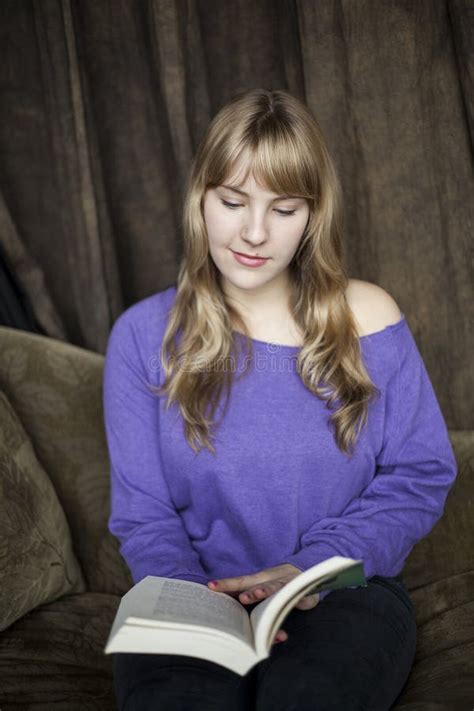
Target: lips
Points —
{"points": [[248, 256], [249, 261]]}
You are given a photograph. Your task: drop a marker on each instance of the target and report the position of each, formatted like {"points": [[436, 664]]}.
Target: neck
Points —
{"points": [[268, 303]]}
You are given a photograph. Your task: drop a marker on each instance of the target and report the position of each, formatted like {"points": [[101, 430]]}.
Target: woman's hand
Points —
{"points": [[256, 587]]}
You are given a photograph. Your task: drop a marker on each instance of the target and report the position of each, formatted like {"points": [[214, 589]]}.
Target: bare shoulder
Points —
{"points": [[372, 307]]}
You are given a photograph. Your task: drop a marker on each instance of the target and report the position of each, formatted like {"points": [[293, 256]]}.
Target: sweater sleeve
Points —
{"points": [[405, 498], [152, 537]]}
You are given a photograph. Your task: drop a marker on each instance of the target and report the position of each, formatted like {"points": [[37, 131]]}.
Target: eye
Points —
{"points": [[286, 212], [233, 205], [230, 204]]}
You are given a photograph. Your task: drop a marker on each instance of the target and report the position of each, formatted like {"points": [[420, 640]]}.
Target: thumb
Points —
{"points": [[308, 602]]}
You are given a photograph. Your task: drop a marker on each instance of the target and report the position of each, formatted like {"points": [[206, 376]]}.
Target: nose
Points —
{"points": [[254, 231]]}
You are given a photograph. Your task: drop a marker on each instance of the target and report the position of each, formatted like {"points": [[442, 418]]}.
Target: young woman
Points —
{"points": [[267, 413]]}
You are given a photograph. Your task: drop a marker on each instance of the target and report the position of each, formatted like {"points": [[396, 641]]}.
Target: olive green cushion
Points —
{"points": [[53, 658], [38, 564], [56, 390]]}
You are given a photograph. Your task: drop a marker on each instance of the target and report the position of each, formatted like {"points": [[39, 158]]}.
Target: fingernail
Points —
{"points": [[214, 582]]}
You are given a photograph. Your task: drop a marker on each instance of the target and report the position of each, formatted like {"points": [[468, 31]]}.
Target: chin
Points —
{"points": [[248, 281]]}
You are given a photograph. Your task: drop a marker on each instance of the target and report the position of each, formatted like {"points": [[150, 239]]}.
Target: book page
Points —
{"points": [[186, 602], [331, 574]]}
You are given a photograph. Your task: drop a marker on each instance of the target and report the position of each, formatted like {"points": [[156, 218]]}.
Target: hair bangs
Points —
{"points": [[276, 162]]}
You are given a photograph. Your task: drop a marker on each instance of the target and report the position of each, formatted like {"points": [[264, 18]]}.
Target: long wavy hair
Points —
{"points": [[287, 153]]}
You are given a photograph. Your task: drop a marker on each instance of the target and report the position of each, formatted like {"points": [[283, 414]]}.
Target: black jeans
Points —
{"points": [[352, 652]]}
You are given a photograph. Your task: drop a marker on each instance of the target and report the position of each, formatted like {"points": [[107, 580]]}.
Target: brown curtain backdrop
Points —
{"points": [[104, 102]]}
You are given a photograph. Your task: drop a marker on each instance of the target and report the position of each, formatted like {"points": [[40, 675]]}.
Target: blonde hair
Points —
{"points": [[287, 153]]}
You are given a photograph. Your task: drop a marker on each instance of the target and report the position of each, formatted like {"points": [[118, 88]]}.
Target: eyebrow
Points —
{"points": [[242, 192]]}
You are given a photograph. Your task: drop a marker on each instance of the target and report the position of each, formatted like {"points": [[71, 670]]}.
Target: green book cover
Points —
{"points": [[351, 577]]}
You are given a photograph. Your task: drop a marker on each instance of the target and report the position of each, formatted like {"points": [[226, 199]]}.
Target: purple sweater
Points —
{"points": [[278, 490]]}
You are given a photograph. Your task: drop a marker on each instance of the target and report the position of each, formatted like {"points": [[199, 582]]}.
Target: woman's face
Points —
{"points": [[258, 223]]}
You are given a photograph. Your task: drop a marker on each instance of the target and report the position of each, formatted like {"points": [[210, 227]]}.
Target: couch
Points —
{"points": [[63, 576]]}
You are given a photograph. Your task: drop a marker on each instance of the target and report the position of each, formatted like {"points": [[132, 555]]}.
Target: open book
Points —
{"points": [[168, 616]]}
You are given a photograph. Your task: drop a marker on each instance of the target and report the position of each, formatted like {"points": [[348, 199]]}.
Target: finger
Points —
{"points": [[285, 572], [236, 594], [259, 592], [247, 597], [308, 602], [241, 597], [239, 583], [281, 636]]}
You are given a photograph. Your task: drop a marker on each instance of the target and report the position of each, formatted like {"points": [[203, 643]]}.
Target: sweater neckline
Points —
{"points": [[363, 339]]}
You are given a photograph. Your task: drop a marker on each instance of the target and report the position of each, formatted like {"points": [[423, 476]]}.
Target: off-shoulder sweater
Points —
{"points": [[277, 489]]}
